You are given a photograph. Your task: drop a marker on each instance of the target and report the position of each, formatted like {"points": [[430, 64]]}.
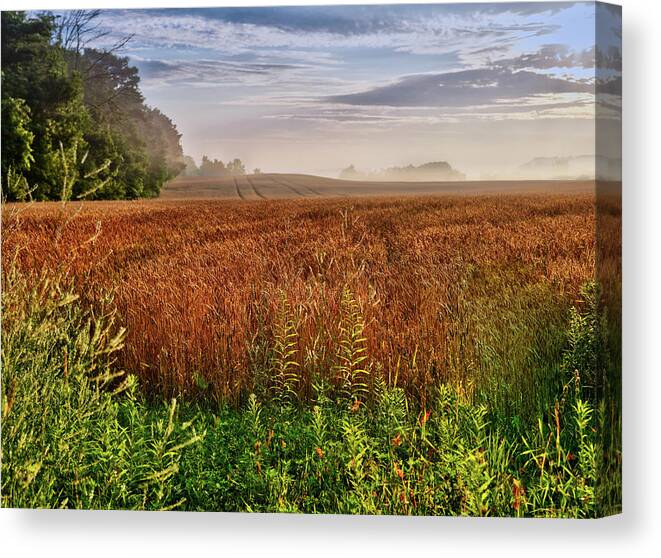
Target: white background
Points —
{"points": [[634, 533]]}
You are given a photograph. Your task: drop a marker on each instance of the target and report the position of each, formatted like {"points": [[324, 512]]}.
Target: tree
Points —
{"points": [[35, 76], [75, 30], [212, 168], [110, 83], [191, 167], [350, 173], [65, 103], [218, 168], [236, 167], [17, 138]]}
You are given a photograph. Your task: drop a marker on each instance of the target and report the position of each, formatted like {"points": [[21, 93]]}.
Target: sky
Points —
{"points": [[485, 87]]}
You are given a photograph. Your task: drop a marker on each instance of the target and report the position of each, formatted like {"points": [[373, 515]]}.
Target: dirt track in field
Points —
{"points": [[287, 186]]}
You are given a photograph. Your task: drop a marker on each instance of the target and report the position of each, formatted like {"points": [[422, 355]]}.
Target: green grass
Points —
{"points": [[75, 432], [78, 433]]}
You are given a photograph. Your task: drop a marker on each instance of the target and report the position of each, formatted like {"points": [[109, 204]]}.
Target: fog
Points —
{"points": [[489, 90]]}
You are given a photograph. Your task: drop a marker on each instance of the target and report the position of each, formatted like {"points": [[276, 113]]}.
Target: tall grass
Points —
{"points": [[77, 433], [422, 356], [449, 289]]}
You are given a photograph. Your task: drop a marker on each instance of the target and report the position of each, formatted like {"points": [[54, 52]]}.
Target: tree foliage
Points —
{"points": [[216, 167], [60, 97]]}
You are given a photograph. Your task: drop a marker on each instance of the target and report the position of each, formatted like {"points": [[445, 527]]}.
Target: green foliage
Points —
{"points": [[16, 185], [284, 364], [335, 460], [565, 459], [17, 138], [351, 368], [75, 184], [216, 167], [507, 351], [591, 358], [191, 166], [38, 91], [57, 100], [584, 337], [76, 432]]}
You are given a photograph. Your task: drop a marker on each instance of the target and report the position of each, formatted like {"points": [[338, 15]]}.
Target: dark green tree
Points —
{"points": [[35, 76], [74, 118]]}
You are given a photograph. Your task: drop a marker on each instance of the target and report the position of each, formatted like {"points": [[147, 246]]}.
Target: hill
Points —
{"points": [[285, 186]]}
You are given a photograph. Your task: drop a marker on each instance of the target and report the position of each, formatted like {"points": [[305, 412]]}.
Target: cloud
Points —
{"points": [[204, 72], [534, 107], [400, 78], [462, 88], [425, 29], [610, 59], [342, 116], [550, 56], [535, 8], [561, 56], [491, 49], [361, 20], [610, 86]]}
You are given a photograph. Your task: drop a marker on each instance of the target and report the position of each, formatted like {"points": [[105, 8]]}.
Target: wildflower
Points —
{"points": [[425, 418]]}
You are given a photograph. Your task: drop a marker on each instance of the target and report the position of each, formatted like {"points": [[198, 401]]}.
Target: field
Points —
{"points": [[429, 354], [199, 283], [285, 186]]}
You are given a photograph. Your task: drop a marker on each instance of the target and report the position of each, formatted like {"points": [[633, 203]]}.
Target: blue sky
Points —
{"points": [[486, 87]]}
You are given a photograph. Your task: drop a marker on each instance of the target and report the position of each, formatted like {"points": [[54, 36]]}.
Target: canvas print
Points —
{"points": [[325, 259]]}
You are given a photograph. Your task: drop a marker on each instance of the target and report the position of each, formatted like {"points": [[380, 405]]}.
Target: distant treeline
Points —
{"points": [[215, 167], [74, 122], [439, 170]]}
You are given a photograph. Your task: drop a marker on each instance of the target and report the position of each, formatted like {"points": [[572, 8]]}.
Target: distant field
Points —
{"points": [[284, 186]]}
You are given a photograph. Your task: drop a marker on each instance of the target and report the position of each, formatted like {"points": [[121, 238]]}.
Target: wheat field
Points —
{"points": [[401, 355], [199, 284]]}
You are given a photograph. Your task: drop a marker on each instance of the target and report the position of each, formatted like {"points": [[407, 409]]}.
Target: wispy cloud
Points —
{"points": [[536, 107], [210, 71], [463, 88], [343, 22], [421, 30], [550, 56], [268, 78]]}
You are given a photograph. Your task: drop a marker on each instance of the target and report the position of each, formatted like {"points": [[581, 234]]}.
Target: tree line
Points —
{"points": [[438, 170], [74, 121], [214, 167]]}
